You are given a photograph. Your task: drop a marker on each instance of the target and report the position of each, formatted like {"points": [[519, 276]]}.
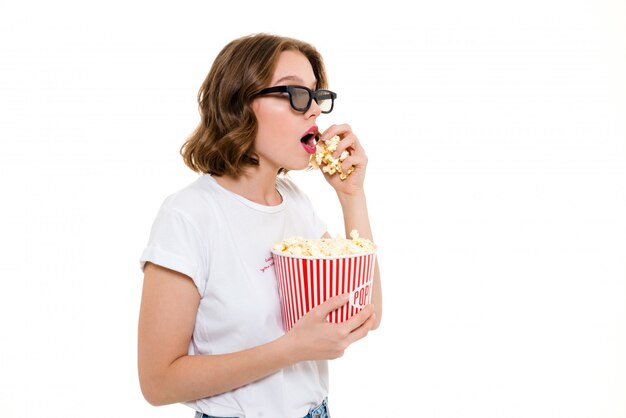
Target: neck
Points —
{"points": [[255, 184]]}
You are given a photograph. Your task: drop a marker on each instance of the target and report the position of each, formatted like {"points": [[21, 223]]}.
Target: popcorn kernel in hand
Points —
{"points": [[323, 157]]}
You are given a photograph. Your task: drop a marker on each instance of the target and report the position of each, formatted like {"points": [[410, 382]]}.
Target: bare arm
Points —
{"points": [[355, 216], [351, 195], [167, 374]]}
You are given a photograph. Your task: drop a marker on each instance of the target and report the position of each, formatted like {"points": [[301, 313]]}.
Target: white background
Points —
{"points": [[496, 134]]}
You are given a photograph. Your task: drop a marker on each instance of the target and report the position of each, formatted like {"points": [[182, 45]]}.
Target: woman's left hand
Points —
{"points": [[354, 182]]}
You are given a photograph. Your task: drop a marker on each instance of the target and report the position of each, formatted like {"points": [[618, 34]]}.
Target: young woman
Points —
{"points": [[210, 331]]}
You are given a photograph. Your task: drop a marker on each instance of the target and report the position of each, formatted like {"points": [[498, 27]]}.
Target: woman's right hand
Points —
{"points": [[314, 338]]}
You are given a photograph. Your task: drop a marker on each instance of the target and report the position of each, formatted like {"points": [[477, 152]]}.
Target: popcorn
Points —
{"points": [[325, 247], [323, 157]]}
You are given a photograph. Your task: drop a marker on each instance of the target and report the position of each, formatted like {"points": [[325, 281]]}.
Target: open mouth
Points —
{"points": [[309, 140]]}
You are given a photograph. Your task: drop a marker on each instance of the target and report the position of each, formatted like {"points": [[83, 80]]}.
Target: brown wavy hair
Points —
{"points": [[223, 142]]}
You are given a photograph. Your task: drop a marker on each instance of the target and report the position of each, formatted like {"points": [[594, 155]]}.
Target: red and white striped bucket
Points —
{"points": [[305, 282]]}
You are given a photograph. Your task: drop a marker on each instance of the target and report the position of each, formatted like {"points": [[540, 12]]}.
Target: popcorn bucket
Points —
{"points": [[305, 282]]}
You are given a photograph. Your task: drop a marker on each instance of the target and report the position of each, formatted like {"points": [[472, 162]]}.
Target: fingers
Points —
{"points": [[353, 161], [356, 160], [351, 144], [359, 319], [335, 130], [331, 304], [362, 331], [318, 339], [348, 139]]}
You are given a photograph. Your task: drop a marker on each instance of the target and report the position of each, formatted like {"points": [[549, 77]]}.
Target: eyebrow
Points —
{"points": [[294, 78]]}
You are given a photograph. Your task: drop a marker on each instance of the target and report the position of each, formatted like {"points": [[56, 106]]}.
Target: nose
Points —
{"points": [[313, 110]]}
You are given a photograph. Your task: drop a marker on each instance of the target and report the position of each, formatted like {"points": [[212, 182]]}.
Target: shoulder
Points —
{"points": [[193, 201]]}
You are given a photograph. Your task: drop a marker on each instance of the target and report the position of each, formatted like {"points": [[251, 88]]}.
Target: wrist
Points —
{"points": [[355, 216], [289, 347], [346, 199]]}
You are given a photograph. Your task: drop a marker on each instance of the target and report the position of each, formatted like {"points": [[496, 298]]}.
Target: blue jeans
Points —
{"points": [[320, 411]]}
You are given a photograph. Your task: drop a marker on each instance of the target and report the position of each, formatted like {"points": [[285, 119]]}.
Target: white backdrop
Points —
{"points": [[496, 133]]}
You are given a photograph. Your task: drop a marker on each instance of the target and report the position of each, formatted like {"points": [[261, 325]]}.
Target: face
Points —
{"points": [[282, 139]]}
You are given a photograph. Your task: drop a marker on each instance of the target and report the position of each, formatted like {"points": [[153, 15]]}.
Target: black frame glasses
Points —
{"points": [[298, 95]]}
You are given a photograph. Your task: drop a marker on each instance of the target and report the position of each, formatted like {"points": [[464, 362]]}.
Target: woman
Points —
{"points": [[210, 331]]}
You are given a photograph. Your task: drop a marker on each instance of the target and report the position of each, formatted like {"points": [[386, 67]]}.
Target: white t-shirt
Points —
{"points": [[222, 241]]}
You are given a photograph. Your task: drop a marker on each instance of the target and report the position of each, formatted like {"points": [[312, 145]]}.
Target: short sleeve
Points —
{"points": [[176, 243]]}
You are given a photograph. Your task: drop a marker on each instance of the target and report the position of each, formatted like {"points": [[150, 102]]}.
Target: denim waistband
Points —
{"points": [[320, 411]]}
